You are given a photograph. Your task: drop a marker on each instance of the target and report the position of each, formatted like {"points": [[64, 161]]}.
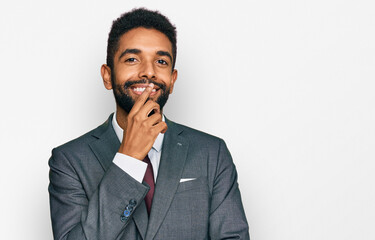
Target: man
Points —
{"points": [[140, 175]]}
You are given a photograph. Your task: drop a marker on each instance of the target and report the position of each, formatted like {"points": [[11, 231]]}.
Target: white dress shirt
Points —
{"points": [[134, 167]]}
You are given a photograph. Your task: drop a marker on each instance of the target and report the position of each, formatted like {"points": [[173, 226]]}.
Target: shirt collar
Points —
{"points": [[120, 132]]}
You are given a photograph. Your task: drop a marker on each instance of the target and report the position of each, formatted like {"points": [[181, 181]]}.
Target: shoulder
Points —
{"points": [[188, 131], [195, 136], [82, 142]]}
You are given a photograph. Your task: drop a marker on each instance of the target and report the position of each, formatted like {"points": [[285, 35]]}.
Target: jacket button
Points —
{"points": [[127, 213], [132, 202], [129, 208]]}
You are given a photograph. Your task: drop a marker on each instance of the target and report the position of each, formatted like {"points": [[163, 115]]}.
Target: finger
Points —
{"points": [[142, 98], [148, 107], [154, 119], [161, 127]]}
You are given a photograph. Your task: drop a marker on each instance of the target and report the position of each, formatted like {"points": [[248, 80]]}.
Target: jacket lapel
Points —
{"points": [[172, 162], [106, 145]]}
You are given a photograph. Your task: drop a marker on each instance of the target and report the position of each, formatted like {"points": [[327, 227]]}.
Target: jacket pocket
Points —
{"points": [[200, 182]]}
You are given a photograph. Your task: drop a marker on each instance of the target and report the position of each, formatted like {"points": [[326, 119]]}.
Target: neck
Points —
{"points": [[121, 117]]}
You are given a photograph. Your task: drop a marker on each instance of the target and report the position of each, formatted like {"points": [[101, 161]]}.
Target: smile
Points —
{"points": [[138, 89]]}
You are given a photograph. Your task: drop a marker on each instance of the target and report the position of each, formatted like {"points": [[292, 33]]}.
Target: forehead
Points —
{"points": [[146, 40]]}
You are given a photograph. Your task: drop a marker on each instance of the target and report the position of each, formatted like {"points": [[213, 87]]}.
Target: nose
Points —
{"points": [[147, 71]]}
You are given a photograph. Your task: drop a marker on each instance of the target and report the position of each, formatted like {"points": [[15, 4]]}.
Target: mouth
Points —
{"points": [[138, 89]]}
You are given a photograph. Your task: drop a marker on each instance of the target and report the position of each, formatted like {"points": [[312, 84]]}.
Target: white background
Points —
{"points": [[288, 84]]}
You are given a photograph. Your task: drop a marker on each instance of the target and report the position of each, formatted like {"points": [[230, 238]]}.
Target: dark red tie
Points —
{"points": [[149, 179]]}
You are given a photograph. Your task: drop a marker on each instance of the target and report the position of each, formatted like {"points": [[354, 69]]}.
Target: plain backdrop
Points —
{"points": [[289, 85]]}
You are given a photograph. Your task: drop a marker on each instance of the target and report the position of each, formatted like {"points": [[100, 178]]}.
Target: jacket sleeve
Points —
{"points": [[75, 215], [227, 216]]}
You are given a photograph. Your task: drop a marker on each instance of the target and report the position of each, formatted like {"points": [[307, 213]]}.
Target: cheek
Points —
{"points": [[125, 73]]}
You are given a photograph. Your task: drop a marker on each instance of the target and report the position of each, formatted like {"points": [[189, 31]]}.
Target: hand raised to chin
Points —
{"points": [[142, 128]]}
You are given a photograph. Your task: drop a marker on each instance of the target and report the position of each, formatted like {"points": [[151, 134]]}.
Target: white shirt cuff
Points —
{"points": [[134, 167]]}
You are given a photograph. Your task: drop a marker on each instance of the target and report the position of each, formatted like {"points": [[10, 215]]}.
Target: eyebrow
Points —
{"points": [[129, 50]]}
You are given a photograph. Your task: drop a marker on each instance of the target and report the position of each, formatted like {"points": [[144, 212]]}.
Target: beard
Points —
{"points": [[126, 102]]}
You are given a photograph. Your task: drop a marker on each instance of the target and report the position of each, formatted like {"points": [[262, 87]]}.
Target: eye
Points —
{"points": [[163, 62], [131, 60]]}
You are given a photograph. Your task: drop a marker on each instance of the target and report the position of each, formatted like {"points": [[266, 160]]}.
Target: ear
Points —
{"points": [[173, 80], [106, 75]]}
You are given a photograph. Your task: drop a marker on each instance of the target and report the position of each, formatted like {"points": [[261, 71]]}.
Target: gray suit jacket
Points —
{"points": [[89, 193]]}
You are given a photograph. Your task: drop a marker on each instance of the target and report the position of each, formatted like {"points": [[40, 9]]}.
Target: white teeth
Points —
{"points": [[141, 89]]}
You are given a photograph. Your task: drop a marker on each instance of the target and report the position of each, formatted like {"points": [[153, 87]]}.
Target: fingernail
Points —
{"points": [[151, 85]]}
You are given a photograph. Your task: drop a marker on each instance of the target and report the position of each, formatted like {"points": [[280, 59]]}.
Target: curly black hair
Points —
{"points": [[140, 17]]}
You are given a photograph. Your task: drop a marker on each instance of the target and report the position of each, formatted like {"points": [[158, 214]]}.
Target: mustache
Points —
{"points": [[145, 81]]}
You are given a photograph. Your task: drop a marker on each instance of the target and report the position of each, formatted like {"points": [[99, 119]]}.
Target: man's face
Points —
{"points": [[144, 56]]}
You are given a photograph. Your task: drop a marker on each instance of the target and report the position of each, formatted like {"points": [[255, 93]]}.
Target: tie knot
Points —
{"points": [[147, 160]]}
